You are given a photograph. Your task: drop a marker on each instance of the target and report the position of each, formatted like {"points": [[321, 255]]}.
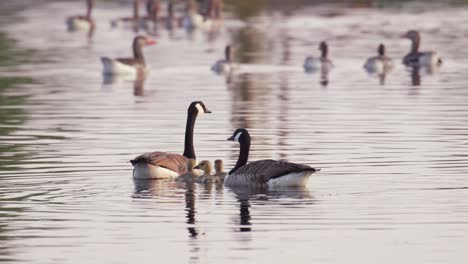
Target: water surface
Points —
{"points": [[393, 185]]}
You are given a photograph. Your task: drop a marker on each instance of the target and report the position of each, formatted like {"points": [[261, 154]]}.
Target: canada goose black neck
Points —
{"points": [[244, 142], [192, 113], [324, 49], [138, 44], [381, 50], [227, 53]]}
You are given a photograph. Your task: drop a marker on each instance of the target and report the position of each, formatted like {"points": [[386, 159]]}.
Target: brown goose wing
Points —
{"points": [[128, 61], [171, 161], [262, 171]]}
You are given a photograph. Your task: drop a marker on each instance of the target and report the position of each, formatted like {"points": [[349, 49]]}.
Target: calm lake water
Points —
{"points": [[394, 181]]}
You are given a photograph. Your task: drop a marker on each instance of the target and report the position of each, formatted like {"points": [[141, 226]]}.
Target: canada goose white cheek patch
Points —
{"points": [[236, 138], [200, 109]]}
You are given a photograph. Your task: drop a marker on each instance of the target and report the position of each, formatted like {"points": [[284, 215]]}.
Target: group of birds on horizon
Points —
{"points": [[182, 167]]}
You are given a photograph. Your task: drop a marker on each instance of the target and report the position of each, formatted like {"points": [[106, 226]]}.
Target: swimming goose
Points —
{"points": [[190, 176], [128, 65], [312, 64], [416, 57], [219, 167], [207, 177], [264, 172], [379, 64], [80, 22], [152, 9], [223, 66], [193, 19], [163, 165]]}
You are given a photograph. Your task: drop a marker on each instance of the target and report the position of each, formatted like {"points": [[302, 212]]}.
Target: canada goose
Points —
{"points": [[224, 65], [129, 65], [261, 172], [163, 165], [416, 57], [207, 177], [80, 22], [312, 64], [379, 64], [219, 167], [190, 176]]}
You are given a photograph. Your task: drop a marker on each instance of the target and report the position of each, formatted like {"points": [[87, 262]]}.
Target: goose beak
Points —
{"points": [[150, 41], [196, 167], [207, 111], [404, 35], [231, 138]]}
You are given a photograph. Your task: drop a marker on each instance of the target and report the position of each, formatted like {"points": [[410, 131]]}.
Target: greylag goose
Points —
{"points": [[126, 66], [264, 172], [419, 58], [163, 165]]}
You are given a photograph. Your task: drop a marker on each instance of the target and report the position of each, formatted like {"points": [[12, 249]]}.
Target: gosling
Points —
{"points": [[190, 176], [219, 167], [207, 177]]}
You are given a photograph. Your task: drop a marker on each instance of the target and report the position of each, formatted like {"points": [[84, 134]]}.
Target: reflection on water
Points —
{"points": [[393, 185]]}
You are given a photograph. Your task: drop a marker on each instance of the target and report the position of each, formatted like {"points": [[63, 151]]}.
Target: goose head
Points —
{"points": [[205, 165], [138, 43], [142, 41], [415, 38], [412, 35], [240, 135], [218, 164], [381, 50], [323, 47], [198, 108]]}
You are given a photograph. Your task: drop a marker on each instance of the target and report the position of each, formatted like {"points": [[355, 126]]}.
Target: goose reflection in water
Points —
{"points": [[146, 189], [416, 73], [110, 82], [262, 196]]}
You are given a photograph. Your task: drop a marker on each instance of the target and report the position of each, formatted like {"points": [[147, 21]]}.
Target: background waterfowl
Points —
{"points": [[129, 65], [312, 64], [264, 172], [379, 64], [153, 8], [190, 176], [194, 19], [80, 22], [163, 165], [416, 57], [223, 65]]}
